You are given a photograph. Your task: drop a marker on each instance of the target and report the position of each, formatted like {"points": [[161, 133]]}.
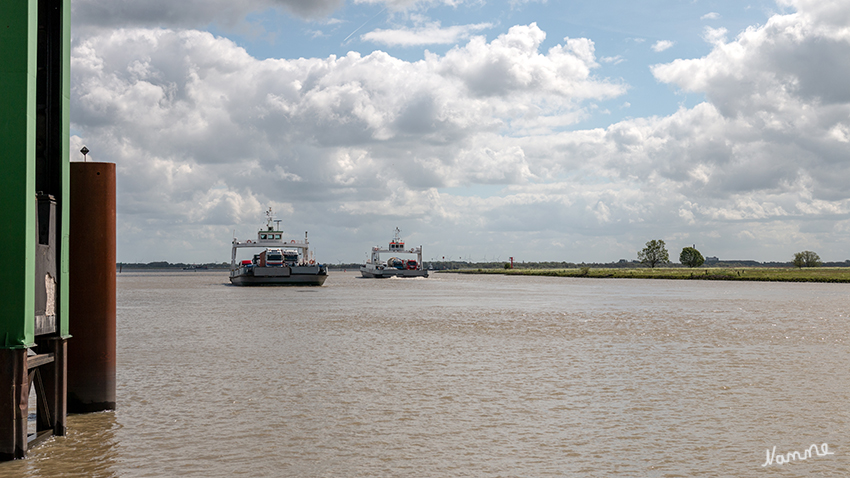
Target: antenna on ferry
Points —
{"points": [[277, 221], [270, 218]]}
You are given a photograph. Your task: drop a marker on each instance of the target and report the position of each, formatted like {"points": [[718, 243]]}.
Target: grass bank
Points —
{"points": [[812, 274]]}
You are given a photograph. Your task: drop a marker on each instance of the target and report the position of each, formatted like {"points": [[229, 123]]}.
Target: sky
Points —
{"points": [[540, 130]]}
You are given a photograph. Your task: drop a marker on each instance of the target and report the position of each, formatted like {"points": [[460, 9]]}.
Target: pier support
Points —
{"points": [[51, 387], [91, 356], [13, 404], [34, 134]]}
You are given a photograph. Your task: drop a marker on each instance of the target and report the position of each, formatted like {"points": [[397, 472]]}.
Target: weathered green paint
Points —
{"points": [[18, 69], [64, 320], [18, 34]]}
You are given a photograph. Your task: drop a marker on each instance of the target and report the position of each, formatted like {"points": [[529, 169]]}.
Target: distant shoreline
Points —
{"points": [[762, 274]]}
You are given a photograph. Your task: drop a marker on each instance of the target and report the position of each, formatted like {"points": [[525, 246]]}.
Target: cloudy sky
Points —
{"points": [[543, 130]]}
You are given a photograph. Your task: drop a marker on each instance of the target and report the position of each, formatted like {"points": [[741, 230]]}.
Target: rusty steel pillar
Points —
{"points": [[91, 354], [14, 404]]}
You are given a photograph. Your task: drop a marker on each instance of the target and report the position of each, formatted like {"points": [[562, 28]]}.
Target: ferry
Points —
{"points": [[279, 263], [374, 268]]}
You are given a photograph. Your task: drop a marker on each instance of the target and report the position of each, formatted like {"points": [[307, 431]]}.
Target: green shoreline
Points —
{"points": [[764, 274]]}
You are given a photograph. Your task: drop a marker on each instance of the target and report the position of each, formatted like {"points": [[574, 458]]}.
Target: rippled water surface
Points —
{"points": [[459, 375]]}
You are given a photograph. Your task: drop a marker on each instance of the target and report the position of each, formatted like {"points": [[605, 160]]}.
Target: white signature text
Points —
{"points": [[796, 455]]}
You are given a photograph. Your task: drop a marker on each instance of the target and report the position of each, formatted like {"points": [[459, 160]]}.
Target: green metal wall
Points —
{"points": [[66, 167], [18, 69]]}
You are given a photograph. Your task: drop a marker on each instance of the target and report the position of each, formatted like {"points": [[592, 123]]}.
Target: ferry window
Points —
{"points": [[277, 236], [262, 236]]}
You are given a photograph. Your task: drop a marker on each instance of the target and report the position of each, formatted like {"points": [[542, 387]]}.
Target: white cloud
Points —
{"points": [[834, 15], [512, 63], [113, 14], [515, 3], [206, 137], [613, 60], [841, 132], [778, 110], [430, 34], [788, 70], [715, 35], [198, 127], [662, 45], [399, 5], [710, 16]]}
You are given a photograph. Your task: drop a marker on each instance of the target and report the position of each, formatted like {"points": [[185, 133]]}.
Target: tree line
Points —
{"points": [[655, 253]]}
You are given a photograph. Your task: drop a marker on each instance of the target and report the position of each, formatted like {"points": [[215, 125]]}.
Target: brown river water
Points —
{"points": [[467, 375]]}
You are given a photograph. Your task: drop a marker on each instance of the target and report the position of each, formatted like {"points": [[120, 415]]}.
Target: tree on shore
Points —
{"points": [[691, 257], [654, 253], [806, 259]]}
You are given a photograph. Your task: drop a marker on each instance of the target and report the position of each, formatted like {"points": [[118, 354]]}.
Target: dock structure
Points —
{"points": [[91, 353], [34, 219]]}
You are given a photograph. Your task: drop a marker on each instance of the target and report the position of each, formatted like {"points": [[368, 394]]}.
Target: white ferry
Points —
{"points": [[374, 268], [279, 263]]}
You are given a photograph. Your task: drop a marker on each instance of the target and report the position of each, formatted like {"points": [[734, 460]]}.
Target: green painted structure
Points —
{"points": [[35, 137], [34, 217]]}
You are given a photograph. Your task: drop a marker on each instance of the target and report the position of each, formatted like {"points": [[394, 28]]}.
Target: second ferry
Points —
{"points": [[374, 268]]}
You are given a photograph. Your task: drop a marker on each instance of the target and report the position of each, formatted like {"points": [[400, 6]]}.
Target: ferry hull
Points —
{"points": [[279, 276], [385, 273]]}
